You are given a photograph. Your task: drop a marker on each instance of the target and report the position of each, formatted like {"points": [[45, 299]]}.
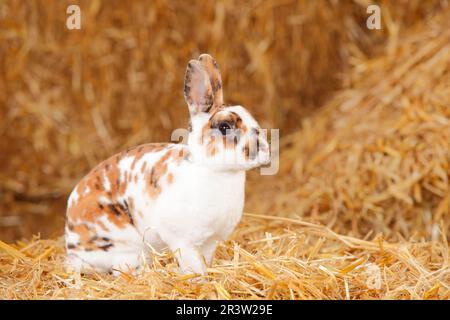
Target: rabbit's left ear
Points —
{"points": [[215, 78], [198, 92]]}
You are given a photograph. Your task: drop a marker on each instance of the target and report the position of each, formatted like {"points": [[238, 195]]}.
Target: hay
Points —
{"points": [[267, 258], [69, 99], [375, 158]]}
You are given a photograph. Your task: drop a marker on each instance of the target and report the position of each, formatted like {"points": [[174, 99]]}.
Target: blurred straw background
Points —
{"points": [[364, 123]]}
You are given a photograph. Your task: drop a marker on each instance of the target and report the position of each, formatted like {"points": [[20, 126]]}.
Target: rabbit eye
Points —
{"points": [[223, 127]]}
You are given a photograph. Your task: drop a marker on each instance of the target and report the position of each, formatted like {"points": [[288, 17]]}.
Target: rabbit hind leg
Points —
{"points": [[114, 262]]}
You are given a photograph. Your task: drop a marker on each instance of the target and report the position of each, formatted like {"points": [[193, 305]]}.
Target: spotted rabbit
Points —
{"points": [[183, 196]]}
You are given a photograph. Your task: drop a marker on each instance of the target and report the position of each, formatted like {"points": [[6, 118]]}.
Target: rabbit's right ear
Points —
{"points": [[198, 91], [212, 68]]}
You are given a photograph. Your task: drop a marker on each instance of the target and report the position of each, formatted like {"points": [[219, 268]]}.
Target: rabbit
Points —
{"points": [[182, 196]]}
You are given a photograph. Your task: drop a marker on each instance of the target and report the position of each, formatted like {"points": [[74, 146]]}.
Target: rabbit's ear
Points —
{"points": [[198, 92], [213, 71]]}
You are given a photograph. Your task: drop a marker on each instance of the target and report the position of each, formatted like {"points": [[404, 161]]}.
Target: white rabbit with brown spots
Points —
{"points": [[185, 197]]}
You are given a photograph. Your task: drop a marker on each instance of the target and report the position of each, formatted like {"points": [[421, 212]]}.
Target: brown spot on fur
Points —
{"points": [[118, 214], [181, 155], [85, 234], [112, 175], [102, 225], [88, 239], [106, 247], [159, 169], [230, 142], [236, 119], [247, 151], [89, 208], [86, 209], [140, 151], [251, 149], [170, 178], [211, 147]]}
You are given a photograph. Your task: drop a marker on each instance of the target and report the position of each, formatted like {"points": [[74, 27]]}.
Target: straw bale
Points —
{"points": [[69, 99], [376, 157], [267, 258]]}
